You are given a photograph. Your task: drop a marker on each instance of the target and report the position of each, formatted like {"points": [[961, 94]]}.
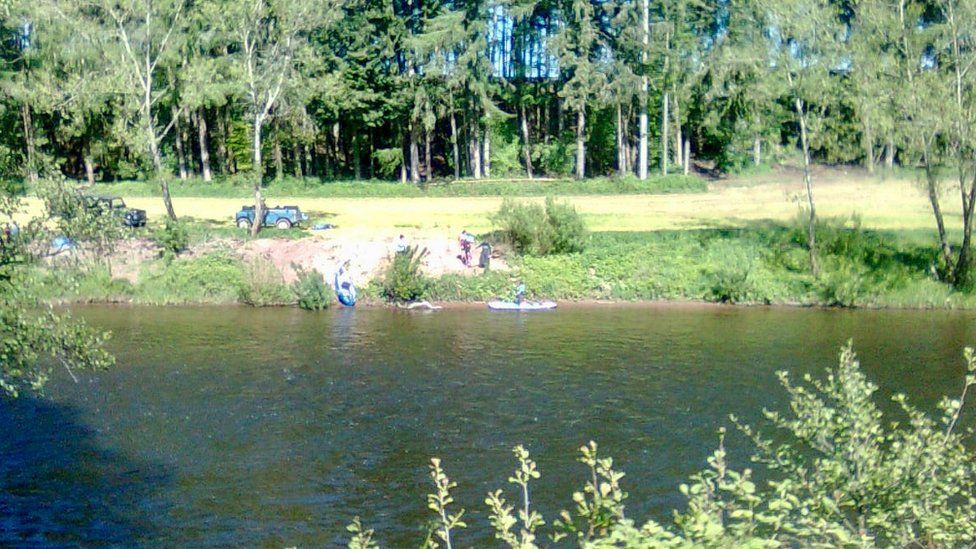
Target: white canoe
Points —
{"points": [[524, 306]]}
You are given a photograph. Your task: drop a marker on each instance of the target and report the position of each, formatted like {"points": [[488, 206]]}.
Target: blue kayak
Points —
{"points": [[523, 306], [345, 291]]}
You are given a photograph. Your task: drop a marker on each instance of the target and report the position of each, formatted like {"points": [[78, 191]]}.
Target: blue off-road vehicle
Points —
{"points": [[283, 217]]}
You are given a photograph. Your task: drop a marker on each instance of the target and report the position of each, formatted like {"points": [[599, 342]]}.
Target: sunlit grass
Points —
{"points": [[888, 205]]}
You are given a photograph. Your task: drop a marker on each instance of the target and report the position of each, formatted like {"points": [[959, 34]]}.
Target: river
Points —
{"points": [[275, 427]]}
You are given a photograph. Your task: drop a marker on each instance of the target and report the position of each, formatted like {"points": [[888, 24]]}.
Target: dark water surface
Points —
{"points": [[237, 426]]}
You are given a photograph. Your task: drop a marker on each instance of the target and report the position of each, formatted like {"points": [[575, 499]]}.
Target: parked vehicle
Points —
{"points": [[283, 217], [114, 205]]}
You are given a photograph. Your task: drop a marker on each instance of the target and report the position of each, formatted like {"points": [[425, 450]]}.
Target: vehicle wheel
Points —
{"points": [[244, 223], [283, 224]]}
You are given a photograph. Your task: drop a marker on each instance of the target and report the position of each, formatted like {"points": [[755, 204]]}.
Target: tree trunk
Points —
{"points": [[157, 161], [757, 150], [486, 154], [812, 222], [687, 156], [664, 134], [965, 261], [204, 147], [414, 154], [621, 144], [559, 115], [296, 158], [279, 160], [526, 146], [357, 160], [223, 162], [336, 152], [258, 176], [28, 119], [454, 143], [890, 154], [678, 140], [228, 134], [629, 149], [932, 184], [428, 165], [180, 134], [89, 164], [867, 140], [371, 171], [642, 151], [475, 151], [581, 142], [310, 159]]}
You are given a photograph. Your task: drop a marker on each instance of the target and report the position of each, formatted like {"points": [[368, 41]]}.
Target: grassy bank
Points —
{"points": [[242, 187], [758, 264], [761, 264]]}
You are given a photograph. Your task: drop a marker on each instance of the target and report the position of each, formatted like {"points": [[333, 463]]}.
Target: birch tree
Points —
{"points": [[269, 37], [144, 33], [804, 44]]}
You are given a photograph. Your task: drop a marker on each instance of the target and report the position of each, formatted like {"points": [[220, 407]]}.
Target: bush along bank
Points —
{"points": [[760, 264]]}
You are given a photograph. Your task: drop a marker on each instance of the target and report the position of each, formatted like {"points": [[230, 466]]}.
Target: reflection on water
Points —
{"points": [[237, 426]]}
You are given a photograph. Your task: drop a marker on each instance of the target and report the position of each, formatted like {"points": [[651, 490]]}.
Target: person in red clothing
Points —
{"points": [[465, 241]]}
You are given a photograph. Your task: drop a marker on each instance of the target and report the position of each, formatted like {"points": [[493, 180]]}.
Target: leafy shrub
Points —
{"points": [[403, 280], [524, 225], [553, 158], [531, 229], [843, 283], [568, 233], [841, 475], [453, 287], [730, 273], [173, 238], [388, 161], [312, 292], [263, 285], [215, 277], [729, 284]]}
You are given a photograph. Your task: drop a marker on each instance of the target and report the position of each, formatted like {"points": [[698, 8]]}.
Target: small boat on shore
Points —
{"points": [[344, 289], [523, 306]]}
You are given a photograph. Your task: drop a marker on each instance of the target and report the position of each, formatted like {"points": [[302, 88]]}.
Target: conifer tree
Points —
{"points": [[576, 48]]}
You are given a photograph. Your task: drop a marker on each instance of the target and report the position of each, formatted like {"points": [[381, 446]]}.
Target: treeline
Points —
{"points": [[416, 89]]}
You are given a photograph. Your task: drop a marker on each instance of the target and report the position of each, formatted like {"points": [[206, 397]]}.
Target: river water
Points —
{"points": [[275, 427]]}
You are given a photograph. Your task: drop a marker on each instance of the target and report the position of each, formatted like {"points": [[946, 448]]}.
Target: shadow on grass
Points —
{"points": [[58, 488]]}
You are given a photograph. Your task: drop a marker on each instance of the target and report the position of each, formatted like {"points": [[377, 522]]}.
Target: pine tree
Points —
{"points": [[576, 48]]}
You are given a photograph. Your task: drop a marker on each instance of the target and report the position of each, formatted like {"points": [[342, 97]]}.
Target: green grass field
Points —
{"points": [[896, 204]]}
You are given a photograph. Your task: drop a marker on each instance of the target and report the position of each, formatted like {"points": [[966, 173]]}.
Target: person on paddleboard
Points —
{"points": [[519, 292]]}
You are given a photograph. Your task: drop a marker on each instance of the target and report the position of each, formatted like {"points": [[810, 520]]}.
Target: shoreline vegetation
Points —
{"points": [[758, 265], [737, 243]]}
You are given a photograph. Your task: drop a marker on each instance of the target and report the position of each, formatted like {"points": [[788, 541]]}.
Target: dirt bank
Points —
{"points": [[368, 257]]}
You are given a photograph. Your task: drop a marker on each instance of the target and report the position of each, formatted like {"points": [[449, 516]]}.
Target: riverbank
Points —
{"points": [[739, 243], [764, 263]]}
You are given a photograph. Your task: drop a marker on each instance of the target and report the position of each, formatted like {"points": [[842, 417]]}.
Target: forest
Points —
{"points": [[417, 90], [106, 90]]}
